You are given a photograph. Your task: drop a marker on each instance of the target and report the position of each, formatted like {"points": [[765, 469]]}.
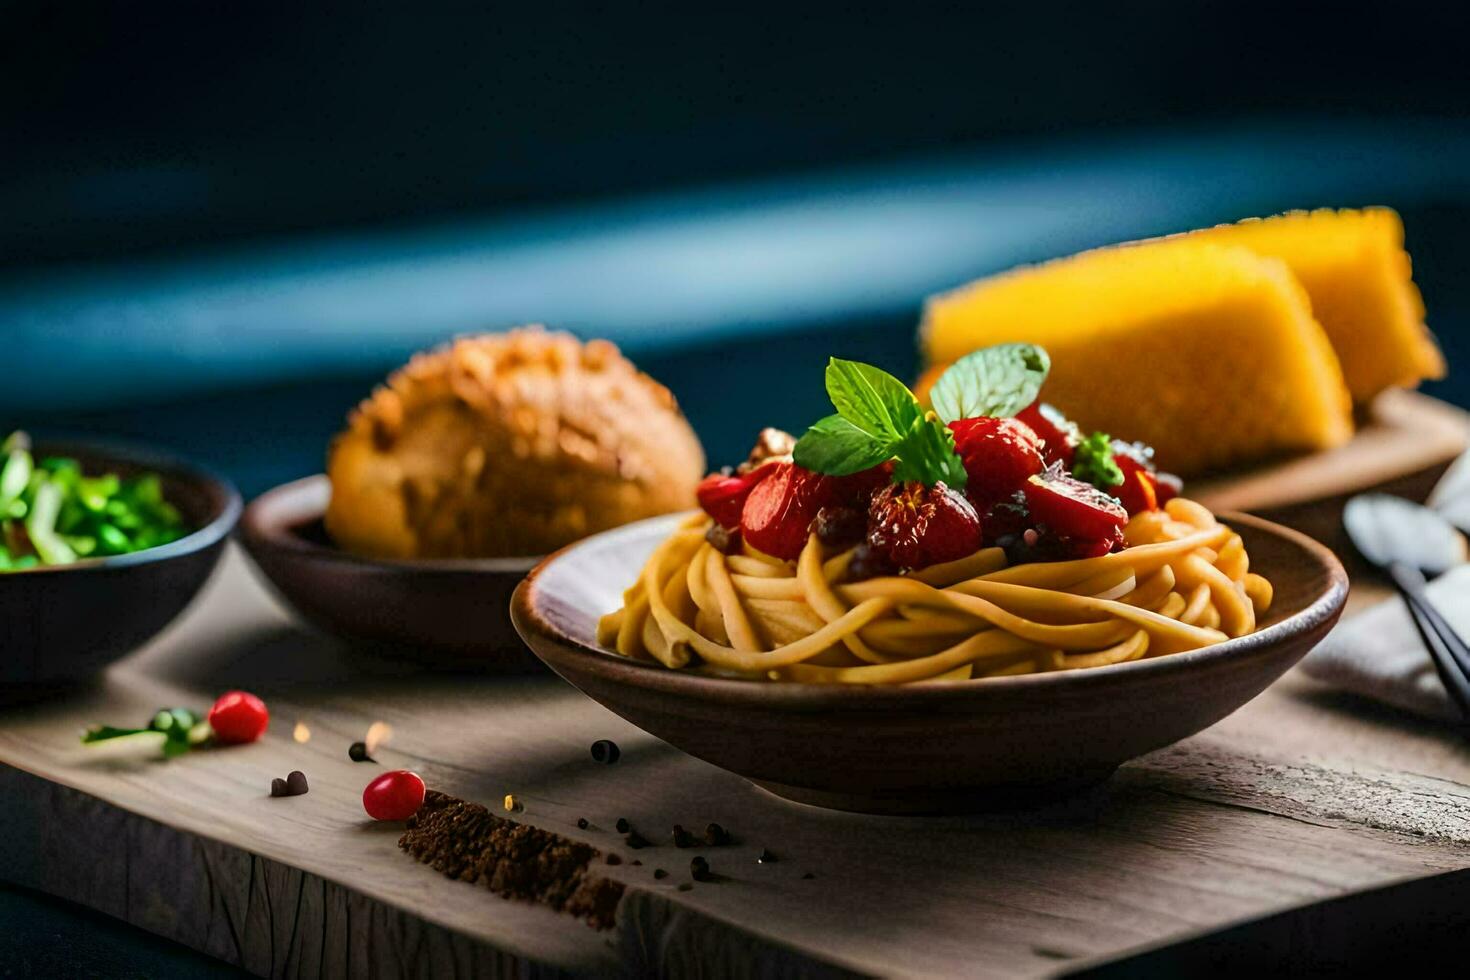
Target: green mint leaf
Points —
{"points": [[872, 399], [927, 454], [1094, 462], [836, 447], [994, 381]]}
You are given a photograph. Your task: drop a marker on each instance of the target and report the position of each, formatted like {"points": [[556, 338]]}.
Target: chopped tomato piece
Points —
{"points": [[1074, 509]]}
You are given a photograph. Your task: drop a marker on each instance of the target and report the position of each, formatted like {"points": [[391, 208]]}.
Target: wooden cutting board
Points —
{"points": [[1403, 435], [1292, 800]]}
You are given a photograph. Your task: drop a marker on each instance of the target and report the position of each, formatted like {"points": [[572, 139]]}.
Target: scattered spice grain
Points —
{"points": [[278, 787], [466, 841], [623, 826], [660, 873], [296, 784], [699, 869], [635, 840], [582, 823], [358, 752], [682, 837], [716, 836], [606, 751]]}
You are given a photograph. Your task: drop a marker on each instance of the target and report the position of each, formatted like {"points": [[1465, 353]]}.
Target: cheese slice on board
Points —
{"points": [[1358, 275], [1207, 352]]}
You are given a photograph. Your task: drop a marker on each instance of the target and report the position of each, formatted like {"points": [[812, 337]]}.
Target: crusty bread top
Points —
{"points": [[508, 444]]}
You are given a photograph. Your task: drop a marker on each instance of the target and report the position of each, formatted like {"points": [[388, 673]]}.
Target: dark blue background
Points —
{"points": [[218, 226]]}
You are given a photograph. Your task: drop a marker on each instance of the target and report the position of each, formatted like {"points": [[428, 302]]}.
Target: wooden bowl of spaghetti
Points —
{"points": [[934, 745]]}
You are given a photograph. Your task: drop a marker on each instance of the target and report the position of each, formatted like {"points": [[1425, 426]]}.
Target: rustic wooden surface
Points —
{"points": [[1300, 796]]}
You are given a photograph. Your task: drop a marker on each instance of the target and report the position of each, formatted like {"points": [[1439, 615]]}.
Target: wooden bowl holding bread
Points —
{"points": [[452, 480]]}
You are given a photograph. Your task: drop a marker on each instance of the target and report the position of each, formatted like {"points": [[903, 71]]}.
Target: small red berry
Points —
{"points": [[238, 717], [915, 526], [723, 497], [1136, 492], [1144, 487], [1059, 436], [1073, 509], [395, 795], [779, 512], [999, 455]]}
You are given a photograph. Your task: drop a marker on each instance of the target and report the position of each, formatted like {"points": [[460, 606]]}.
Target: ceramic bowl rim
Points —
{"points": [[216, 529], [536, 629], [258, 528]]}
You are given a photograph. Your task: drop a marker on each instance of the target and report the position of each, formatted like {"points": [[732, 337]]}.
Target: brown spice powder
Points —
{"points": [[466, 841]]}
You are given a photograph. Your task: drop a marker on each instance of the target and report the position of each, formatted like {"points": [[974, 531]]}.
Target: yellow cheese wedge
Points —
{"points": [[1209, 353], [1356, 271]]}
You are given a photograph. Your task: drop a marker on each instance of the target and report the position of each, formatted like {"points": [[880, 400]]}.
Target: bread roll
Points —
{"points": [[508, 445]]}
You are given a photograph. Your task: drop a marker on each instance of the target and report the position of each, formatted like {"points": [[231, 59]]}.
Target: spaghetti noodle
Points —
{"points": [[1182, 582]]}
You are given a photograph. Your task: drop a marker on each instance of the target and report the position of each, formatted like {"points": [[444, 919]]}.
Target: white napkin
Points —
{"points": [[1378, 653]]}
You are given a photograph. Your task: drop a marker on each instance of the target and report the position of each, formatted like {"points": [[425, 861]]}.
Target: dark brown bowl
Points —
{"points": [[62, 624], [931, 746], [442, 613]]}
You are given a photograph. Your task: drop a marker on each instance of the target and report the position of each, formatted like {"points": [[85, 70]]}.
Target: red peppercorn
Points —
{"points": [[238, 717], [395, 795]]}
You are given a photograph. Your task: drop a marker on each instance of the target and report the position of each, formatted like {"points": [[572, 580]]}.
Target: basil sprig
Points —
{"points": [[994, 381], [878, 419], [180, 728]]}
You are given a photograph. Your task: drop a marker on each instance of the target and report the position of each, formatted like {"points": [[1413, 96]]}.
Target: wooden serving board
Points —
{"points": [[1403, 435], [1292, 800]]}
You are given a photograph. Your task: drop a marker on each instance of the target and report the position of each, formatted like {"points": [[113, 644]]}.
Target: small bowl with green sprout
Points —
{"points": [[101, 547]]}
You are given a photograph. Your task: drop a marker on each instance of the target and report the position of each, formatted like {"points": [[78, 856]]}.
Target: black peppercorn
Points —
{"points": [[840, 527], [699, 869], [623, 825], [614, 859], [682, 837], [660, 873], [605, 751], [358, 752], [582, 823], [715, 835], [725, 541]]}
